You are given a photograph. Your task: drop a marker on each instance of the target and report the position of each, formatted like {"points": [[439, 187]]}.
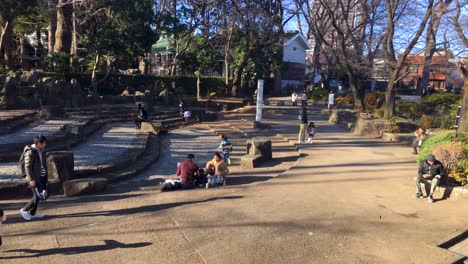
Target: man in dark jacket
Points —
{"points": [[303, 125], [430, 173], [36, 174], [187, 171], [142, 116]]}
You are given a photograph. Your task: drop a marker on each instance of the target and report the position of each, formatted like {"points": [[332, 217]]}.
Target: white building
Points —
{"points": [[294, 59]]}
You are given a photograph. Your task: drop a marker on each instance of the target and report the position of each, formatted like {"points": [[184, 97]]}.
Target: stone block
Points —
{"points": [[280, 103], [258, 146], [60, 165], [250, 161], [153, 128], [84, 186]]}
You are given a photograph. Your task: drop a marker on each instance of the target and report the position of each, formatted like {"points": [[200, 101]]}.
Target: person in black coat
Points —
{"points": [[430, 173], [303, 124]]}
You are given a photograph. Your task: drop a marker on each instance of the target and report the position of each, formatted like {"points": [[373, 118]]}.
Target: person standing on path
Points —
{"points": [[36, 174], [294, 97], [142, 116], [420, 135], [303, 124], [430, 173], [304, 97], [311, 132], [226, 147], [2, 219], [331, 101]]}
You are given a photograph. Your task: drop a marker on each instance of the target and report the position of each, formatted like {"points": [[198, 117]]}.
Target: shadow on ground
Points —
{"points": [[109, 245]]}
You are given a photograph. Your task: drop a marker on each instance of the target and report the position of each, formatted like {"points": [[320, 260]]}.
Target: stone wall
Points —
{"points": [[28, 90], [373, 128], [342, 116]]}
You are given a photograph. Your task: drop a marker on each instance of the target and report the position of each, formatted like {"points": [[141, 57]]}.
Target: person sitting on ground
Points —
{"points": [[430, 173], [142, 116], [33, 165], [420, 134], [226, 147], [188, 172], [220, 168]]}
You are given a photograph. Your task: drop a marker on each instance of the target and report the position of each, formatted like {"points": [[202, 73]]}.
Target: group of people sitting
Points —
{"points": [[213, 174]]}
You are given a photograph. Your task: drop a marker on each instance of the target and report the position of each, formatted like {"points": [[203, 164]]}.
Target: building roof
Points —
{"points": [[289, 37], [163, 45]]}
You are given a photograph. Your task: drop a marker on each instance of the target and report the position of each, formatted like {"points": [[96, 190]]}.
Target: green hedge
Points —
{"points": [[115, 84], [439, 139]]}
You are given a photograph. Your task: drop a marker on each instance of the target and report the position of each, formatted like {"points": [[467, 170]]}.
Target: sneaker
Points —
{"points": [[26, 216], [207, 185], [429, 199], [38, 216], [419, 195]]}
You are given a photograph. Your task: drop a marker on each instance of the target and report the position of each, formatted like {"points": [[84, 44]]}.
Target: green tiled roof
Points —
{"points": [[163, 45]]}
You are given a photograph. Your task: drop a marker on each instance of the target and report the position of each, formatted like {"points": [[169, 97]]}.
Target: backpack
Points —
{"points": [[21, 163]]}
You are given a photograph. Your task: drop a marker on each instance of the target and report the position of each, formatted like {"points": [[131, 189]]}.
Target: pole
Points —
{"points": [[457, 124], [258, 118]]}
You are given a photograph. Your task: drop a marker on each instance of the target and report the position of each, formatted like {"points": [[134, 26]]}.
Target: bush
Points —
{"points": [[371, 100], [319, 94], [115, 84], [443, 138], [453, 156], [408, 110], [380, 113], [344, 100], [427, 122], [441, 102]]}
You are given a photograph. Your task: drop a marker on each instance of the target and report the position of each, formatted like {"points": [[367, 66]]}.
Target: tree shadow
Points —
{"points": [[145, 209], [108, 245]]}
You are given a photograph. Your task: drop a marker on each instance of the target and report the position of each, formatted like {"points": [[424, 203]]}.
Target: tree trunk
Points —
{"points": [[74, 34], [358, 94], [237, 79], [464, 114], [9, 46], [63, 32], [40, 47], [198, 73], [390, 95], [52, 13]]}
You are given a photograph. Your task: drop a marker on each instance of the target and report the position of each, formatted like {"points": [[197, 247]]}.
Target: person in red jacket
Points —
{"points": [[188, 172]]}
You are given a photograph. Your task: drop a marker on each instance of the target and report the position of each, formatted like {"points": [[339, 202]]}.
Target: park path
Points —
{"points": [[347, 200]]}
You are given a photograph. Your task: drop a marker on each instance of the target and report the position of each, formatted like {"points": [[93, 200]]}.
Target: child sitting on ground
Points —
{"points": [[311, 131], [226, 147]]}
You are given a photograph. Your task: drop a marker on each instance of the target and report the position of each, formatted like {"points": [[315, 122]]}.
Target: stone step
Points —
{"points": [[109, 149]]}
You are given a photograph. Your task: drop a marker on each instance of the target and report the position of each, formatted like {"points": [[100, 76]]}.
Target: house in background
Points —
{"points": [[443, 73], [295, 48]]}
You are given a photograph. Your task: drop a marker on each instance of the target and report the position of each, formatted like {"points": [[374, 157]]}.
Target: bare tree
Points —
{"points": [[63, 32], [395, 9], [440, 9]]}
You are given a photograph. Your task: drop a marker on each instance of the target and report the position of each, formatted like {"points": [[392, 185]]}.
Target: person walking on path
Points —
{"points": [[2, 219], [420, 134], [303, 124], [304, 98], [294, 97], [311, 132], [226, 147], [187, 171], [36, 174], [331, 101], [430, 173], [187, 116], [142, 116]]}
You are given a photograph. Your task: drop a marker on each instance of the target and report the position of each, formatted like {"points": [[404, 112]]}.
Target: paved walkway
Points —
{"points": [[347, 200]]}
